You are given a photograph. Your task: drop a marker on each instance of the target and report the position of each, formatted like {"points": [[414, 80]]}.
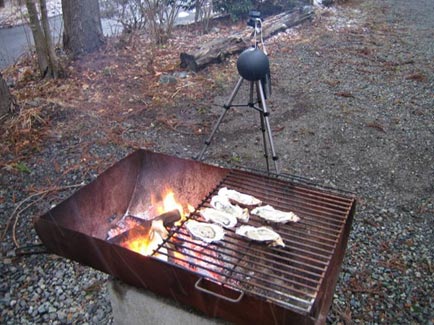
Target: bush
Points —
{"points": [[235, 8], [157, 17], [239, 9]]}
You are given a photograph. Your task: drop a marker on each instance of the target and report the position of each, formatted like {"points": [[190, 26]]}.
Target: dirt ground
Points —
{"points": [[351, 108]]}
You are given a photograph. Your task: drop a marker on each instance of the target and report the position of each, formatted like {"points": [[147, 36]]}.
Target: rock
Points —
{"points": [[42, 309], [167, 79], [181, 74], [61, 315]]}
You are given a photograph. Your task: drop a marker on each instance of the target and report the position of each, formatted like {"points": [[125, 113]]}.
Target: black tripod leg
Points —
{"points": [[264, 140], [252, 87], [267, 124], [220, 119]]}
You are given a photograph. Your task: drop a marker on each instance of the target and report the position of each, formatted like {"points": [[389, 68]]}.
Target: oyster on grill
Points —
{"points": [[267, 212], [206, 232], [219, 217], [222, 203], [240, 198], [262, 234]]}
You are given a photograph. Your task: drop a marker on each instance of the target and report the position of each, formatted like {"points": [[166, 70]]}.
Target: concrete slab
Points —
{"points": [[132, 306]]}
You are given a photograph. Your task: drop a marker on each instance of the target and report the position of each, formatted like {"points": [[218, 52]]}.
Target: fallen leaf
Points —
{"points": [[420, 77], [345, 94], [376, 125]]}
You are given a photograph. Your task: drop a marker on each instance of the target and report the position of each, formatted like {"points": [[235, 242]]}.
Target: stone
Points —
{"points": [[181, 74], [42, 309], [167, 79]]}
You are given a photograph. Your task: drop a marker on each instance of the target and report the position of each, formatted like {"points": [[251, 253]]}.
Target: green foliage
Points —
{"points": [[239, 9], [107, 71], [235, 8], [22, 168]]}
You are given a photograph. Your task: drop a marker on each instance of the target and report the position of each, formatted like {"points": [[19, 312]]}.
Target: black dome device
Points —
{"points": [[253, 64]]}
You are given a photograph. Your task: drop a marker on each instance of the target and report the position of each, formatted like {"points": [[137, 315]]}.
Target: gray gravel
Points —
{"points": [[352, 107]]}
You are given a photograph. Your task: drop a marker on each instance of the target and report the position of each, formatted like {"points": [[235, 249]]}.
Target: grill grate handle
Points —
{"points": [[218, 295]]}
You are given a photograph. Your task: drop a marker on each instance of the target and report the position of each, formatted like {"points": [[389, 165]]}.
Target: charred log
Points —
{"points": [[218, 49]]}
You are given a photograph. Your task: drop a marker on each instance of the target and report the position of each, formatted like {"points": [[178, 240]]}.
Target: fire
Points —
{"points": [[170, 203], [146, 242], [141, 245]]}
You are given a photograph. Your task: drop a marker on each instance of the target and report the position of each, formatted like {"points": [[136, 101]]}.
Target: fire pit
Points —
{"points": [[235, 279]]}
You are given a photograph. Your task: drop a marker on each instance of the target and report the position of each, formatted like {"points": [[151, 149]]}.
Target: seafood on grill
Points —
{"points": [[261, 234], [240, 198], [221, 218], [207, 232], [222, 203], [267, 212]]}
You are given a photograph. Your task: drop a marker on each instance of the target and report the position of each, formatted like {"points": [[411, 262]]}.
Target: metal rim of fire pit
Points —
{"points": [[229, 278]]}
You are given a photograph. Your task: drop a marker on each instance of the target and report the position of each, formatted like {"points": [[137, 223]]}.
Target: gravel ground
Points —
{"points": [[352, 107]]}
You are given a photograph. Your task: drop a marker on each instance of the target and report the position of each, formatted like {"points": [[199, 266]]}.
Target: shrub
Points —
{"points": [[239, 9]]}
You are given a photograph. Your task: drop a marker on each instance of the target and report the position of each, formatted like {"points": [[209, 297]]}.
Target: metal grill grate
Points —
{"points": [[291, 276]]}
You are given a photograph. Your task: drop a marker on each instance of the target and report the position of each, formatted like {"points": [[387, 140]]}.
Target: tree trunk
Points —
{"points": [[47, 60], [2, 3], [38, 37], [82, 26], [6, 99], [53, 64], [216, 50], [198, 9]]}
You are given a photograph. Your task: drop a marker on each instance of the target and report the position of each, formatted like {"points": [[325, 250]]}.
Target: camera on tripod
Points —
{"points": [[255, 19], [253, 65]]}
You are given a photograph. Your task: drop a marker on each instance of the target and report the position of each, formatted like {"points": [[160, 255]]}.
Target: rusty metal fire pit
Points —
{"points": [[235, 279]]}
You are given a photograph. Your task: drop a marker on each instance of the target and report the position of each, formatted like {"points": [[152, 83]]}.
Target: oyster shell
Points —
{"points": [[221, 203], [219, 217], [263, 234], [269, 213], [206, 232], [240, 198]]}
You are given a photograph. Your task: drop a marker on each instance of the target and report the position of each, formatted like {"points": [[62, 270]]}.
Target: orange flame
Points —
{"points": [[146, 243], [141, 245], [170, 203]]}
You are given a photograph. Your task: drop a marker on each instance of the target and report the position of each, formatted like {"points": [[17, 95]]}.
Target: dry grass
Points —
{"points": [[22, 131]]}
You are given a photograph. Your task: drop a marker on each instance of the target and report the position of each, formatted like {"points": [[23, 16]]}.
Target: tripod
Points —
{"points": [[263, 112]]}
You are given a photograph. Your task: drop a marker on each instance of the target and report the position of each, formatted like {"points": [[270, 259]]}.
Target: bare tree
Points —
{"points": [[47, 59], [82, 26], [204, 11], [157, 17], [160, 18]]}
